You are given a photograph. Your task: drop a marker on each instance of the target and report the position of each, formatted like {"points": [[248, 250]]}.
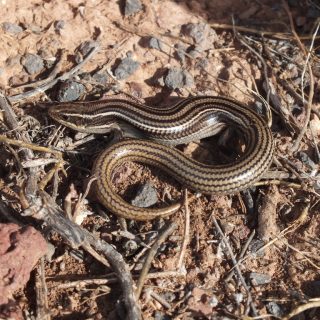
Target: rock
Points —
{"points": [[131, 7], [177, 79], [20, 250], [306, 160], [101, 78], [155, 43], [259, 279], [203, 35], [275, 309], [126, 68], [70, 91], [32, 63], [11, 28], [256, 245], [146, 196], [59, 25]]}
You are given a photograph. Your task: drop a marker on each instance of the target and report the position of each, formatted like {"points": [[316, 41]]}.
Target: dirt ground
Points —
{"points": [[159, 52]]}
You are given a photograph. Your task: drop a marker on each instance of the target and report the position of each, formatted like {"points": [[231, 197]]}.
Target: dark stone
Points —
{"points": [[256, 245], [155, 43], [275, 309], [259, 279], [126, 68], [146, 196], [101, 77], [177, 78], [11, 28], [306, 160], [32, 63], [70, 91], [132, 7], [59, 25], [195, 30]]}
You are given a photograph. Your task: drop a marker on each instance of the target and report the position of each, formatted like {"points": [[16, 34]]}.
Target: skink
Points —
{"points": [[191, 119]]}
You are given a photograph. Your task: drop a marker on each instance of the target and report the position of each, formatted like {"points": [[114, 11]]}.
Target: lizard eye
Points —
{"points": [[65, 117]]}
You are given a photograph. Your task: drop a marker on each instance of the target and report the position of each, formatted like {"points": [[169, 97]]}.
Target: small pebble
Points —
{"points": [[146, 196], [155, 43], [177, 79], [132, 7], [169, 296], [195, 30], [275, 309], [213, 301], [306, 160], [254, 246], [32, 63], [259, 279], [11, 28], [70, 91], [101, 78], [126, 68], [130, 247], [59, 25], [238, 297]]}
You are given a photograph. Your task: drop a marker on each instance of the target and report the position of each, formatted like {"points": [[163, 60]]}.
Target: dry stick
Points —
{"points": [[167, 230], [186, 234], [51, 76], [12, 123], [296, 144], [236, 266], [112, 279], [77, 237], [314, 303], [242, 253], [43, 312], [265, 67], [276, 35], [42, 88]]}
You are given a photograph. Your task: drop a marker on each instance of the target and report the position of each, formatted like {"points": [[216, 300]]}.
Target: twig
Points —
{"points": [[110, 279], [242, 253], [303, 130], [236, 266], [314, 303], [276, 35], [265, 67], [43, 312], [45, 209], [50, 77], [42, 88], [166, 231], [157, 297], [186, 237]]}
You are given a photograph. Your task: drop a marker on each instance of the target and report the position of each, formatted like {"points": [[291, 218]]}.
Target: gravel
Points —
{"points": [[131, 7], [146, 196], [126, 68], [259, 279], [70, 91], [178, 78], [32, 63], [155, 43], [11, 28]]}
